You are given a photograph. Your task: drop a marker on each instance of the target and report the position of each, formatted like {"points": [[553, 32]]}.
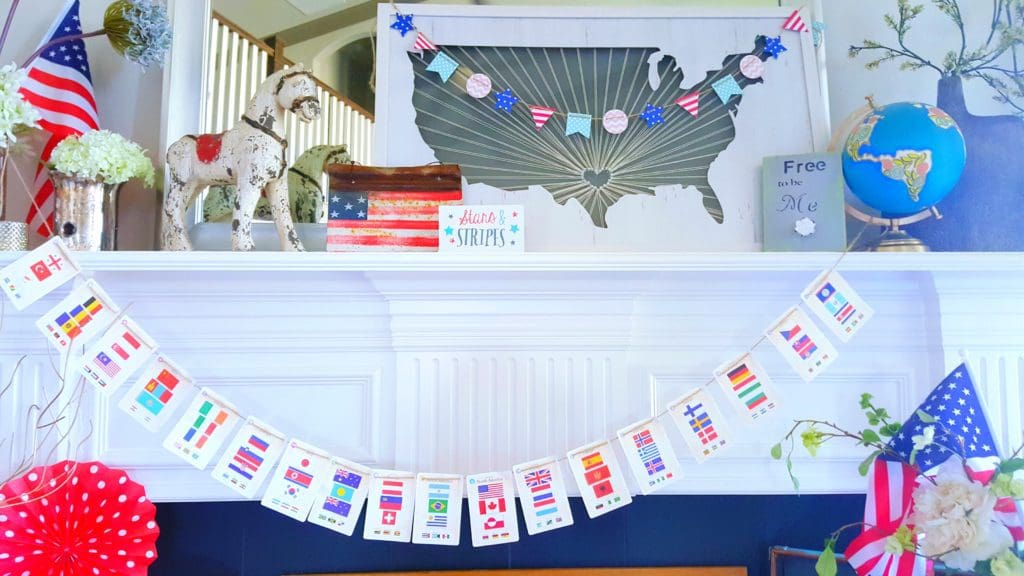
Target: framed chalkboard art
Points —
{"points": [[617, 130]]}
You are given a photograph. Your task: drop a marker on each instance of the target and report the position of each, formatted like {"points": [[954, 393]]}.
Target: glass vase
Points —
{"points": [[85, 212], [13, 235]]}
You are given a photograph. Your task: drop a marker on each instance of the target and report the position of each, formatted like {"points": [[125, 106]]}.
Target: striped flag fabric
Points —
{"points": [[795, 23], [690, 103], [541, 115], [889, 504], [423, 43], [59, 85]]}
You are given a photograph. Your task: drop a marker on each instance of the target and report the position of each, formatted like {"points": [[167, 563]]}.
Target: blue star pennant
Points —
{"points": [[773, 47], [578, 124], [818, 31], [726, 88], [403, 23], [444, 65], [653, 115], [505, 100]]}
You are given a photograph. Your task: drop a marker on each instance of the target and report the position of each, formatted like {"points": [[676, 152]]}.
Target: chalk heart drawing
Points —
{"points": [[597, 179]]}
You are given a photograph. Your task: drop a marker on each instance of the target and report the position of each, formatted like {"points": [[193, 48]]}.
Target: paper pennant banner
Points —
{"points": [[795, 23], [438, 514], [803, 345], [541, 115], [726, 88], [249, 458], [701, 423], [653, 115], [773, 47], [752, 66], [542, 495], [818, 32], [403, 23], [748, 387], [837, 305], [38, 273], [690, 103], [478, 85], [296, 481], [122, 350], [444, 65], [202, 429], [504, 101], [492, 509], [422, 43], [578, 124], [389, 506], [162, 387], [80, 317], [342, 496], [599, 478], [650, 455]]}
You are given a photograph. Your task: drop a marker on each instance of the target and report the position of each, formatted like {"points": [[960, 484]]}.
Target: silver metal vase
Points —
{"points": [[85, 212], [13, 235]]}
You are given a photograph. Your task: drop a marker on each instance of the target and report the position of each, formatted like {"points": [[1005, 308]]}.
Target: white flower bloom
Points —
{"points": [[102, 154], [925, 439], [15, 113]]}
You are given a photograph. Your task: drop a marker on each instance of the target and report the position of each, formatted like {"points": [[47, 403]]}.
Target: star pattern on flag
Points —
{"points": [[444, 65], [578, 124], [726, 88], [403, 23], [773, 47], [505, 100], [653, 115]]}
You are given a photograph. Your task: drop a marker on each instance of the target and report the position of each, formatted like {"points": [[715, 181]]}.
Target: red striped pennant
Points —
{"points": [[423, 43], [541, 115], [795, 23], [690, 103]]}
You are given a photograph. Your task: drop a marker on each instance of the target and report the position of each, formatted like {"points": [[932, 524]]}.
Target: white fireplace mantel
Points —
{"points": [[454, 363]]}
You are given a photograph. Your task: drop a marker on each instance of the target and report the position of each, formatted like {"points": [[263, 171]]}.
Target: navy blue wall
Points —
{"points": [[245, 539]]}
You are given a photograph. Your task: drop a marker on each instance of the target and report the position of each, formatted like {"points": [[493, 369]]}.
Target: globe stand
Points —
{"points": [[895, 239]]}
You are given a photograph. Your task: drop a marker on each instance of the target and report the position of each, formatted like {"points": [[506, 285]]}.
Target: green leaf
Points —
{"points": [[865, 401], [826, 564], [1012, 465], [777, 451], [789, 468], [870, 436], [890, 430], [865, 466], [925, 417]]}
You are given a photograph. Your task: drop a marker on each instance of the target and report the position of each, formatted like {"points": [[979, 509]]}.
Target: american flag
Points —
{"points": [[385, 221], [59, 85], [889, 504]]}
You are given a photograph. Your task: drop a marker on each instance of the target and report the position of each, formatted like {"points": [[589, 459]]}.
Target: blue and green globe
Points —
{"points": [[904, 158]]}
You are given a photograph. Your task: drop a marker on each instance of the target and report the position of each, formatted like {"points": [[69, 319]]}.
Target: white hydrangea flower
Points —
{"points": [[15, 113], [103, 155]]}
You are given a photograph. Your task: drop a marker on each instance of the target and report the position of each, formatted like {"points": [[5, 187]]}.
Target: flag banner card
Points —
{"points": [[437, 518], [599, 478], [837, 305], [389, 506], [38, 273], [650, 455], [701, 423], [342, 496], [250, 457], [85, 313], [202, 429], [542, 495], [296, 481], [111, 360], [802, 344], [492, 509], [162, 388], [748, 387]]}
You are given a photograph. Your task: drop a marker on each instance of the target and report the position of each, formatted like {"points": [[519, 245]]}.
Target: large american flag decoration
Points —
{"points": [[59, 85], [388, 209]]}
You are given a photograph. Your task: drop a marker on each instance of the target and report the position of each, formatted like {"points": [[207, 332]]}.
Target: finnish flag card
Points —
{"points": [[701, 423], [599, 478], [650, 455], [492, 509], [541, 489], [161, 389], [342, 496], [438, 513], [389, 506], [250, 457], [296, 481]]}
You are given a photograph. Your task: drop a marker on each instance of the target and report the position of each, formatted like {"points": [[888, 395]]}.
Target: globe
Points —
{"points": [[903, 158]]}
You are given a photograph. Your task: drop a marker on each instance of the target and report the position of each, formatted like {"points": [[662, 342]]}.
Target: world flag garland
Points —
{"points": [[578, 123]]}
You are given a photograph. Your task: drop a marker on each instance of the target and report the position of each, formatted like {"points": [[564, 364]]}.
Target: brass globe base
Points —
{"points": [[898, 241], [894, 239]]}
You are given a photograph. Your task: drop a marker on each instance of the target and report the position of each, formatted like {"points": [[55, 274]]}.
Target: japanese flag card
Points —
{"points": [[296, 481], [492, 509], [342, 496], [599, 478], [80, 317], [202, 429], [541, 489], [649, 455], [438, 513], [249, 458], [748, 387], [701, 423], [112, 359], [161, 389], [836, 304], [38, 273], [389, 506], [802, 344]]}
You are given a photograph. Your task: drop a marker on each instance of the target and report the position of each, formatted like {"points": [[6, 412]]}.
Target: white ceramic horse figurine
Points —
{"points": [[251, 155]]}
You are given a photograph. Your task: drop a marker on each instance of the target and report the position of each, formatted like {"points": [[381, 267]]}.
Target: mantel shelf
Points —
{"points": [[645, 262]]}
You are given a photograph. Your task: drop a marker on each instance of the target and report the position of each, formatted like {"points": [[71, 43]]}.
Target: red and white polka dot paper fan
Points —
{"points": [[76, 519]]}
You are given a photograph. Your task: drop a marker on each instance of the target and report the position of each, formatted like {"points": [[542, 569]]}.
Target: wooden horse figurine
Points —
{"points": [[251, 155]]}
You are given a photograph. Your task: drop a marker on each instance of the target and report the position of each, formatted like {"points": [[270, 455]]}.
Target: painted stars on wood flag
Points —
{"points": [[599, 478], [389, 506], [250, 457], [341, 497], [122, 350], [38, 273], [202, 429], [701, 423], [837, 305], [437, 517], [296, 482], [85, 313], [802, 344], [162, 387], [649, 455], [748, 387], [492, 509], [542, 495]]}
